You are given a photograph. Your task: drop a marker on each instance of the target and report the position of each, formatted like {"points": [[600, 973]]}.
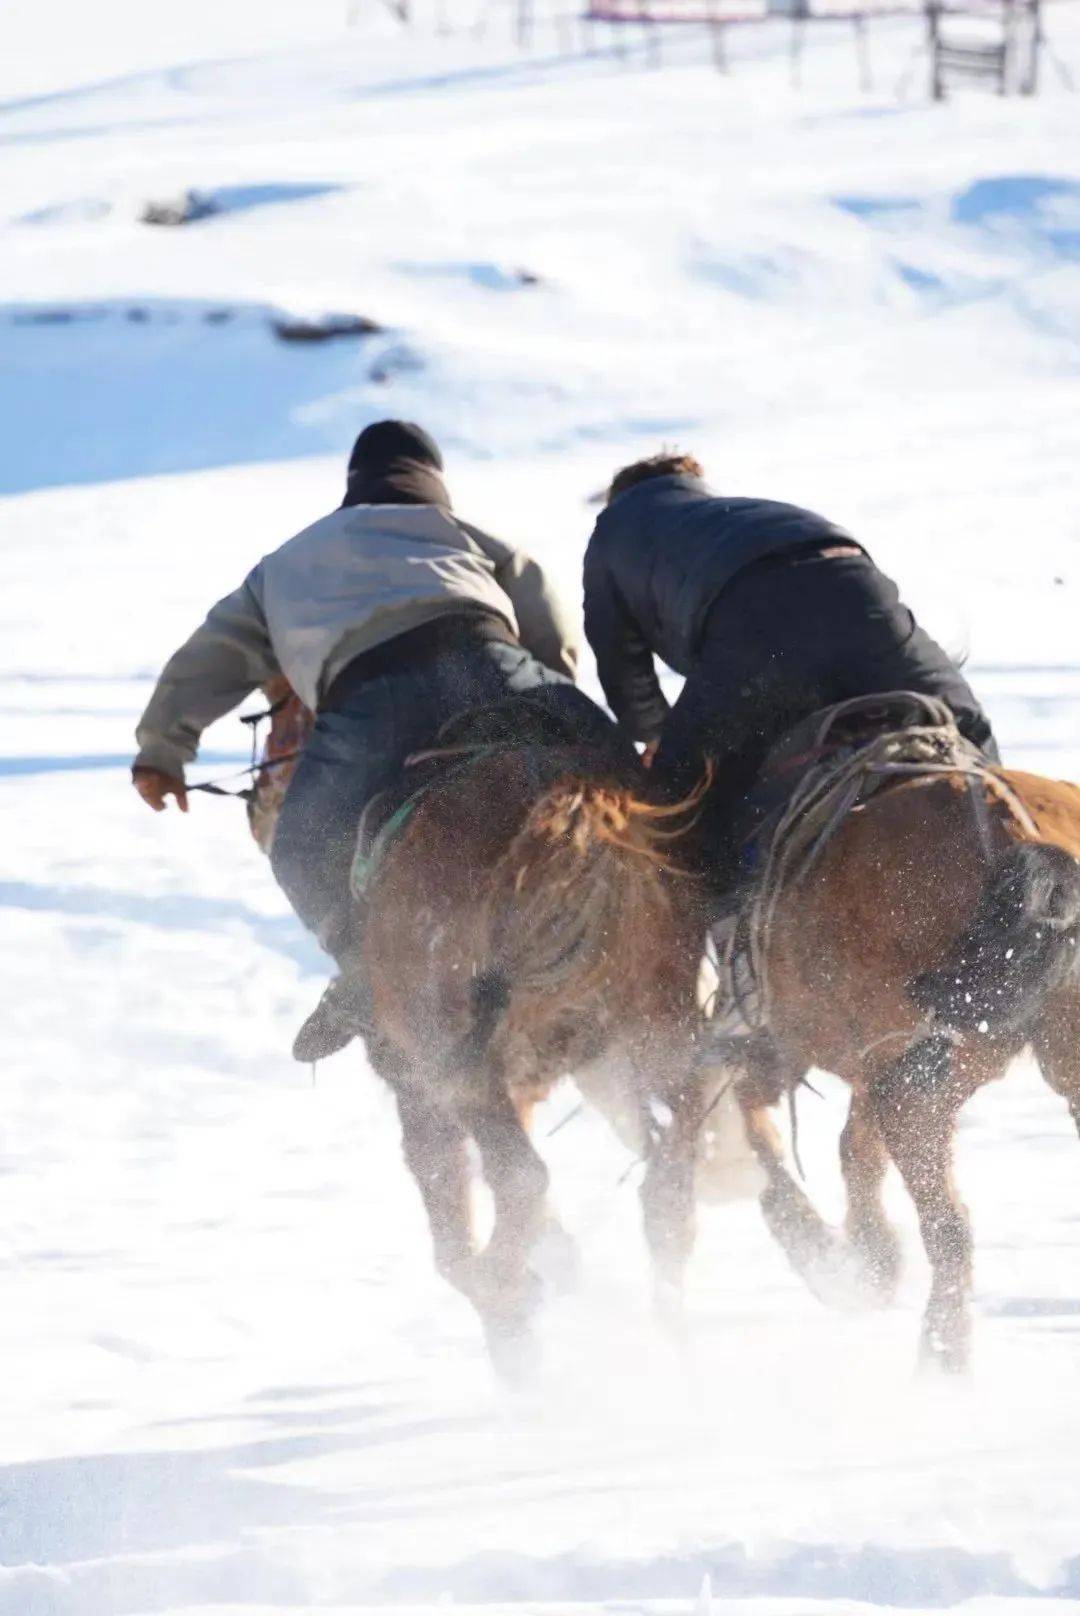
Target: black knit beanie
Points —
{"points": [[395, 463]]}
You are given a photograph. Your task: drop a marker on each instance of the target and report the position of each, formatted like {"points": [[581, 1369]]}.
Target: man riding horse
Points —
{"points": [[388, 618], [770, 612]]}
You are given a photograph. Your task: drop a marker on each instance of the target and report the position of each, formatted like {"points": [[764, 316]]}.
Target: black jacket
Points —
{"points": [[659, 556]]}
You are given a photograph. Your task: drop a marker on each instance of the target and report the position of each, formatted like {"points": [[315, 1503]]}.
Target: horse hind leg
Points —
{"points": [[1056, 1042], [497, 1282], [873, 1242], [916, 1101], [670, 1087], [500, 1282], [668, 1203], [436, 1154], [814, 1250], [554, 1255]]}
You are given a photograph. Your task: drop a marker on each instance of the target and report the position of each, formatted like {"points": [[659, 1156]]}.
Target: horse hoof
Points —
{"points": [[835, 1279], [875, 1259], [514, 1352], [496, 1289], [943, 1356], [556, 1259], [669, 1310], [851, 1282], [880, 1280]]}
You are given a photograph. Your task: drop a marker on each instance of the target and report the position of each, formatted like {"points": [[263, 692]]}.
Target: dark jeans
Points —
{"points": [[786, 638], [377, 713]]}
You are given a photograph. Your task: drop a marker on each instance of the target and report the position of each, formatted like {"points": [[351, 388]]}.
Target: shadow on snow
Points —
{"points": [[141, 386]]}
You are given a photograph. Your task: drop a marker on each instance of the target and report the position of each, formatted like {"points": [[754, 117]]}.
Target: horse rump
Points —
{"points": [[1021, 944]]}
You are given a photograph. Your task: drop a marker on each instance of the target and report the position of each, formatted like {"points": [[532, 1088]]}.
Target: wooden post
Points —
{"points": [[862, 50], [652, 36], [1030, 83], [798, 35], [1007, 63], [933, 40], [716, 31]]}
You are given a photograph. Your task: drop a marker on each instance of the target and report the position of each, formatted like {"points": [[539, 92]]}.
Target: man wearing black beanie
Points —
{"points": [[388, 617], [395, 463]]}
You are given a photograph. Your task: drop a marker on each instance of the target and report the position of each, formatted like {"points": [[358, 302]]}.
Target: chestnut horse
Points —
{"points": [[527, 919], [932, 941]]}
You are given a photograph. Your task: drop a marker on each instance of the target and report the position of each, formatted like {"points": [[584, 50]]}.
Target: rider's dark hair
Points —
{"points": [[658, 465]]}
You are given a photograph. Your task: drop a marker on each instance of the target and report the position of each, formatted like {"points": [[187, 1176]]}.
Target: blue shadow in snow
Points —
{"points": [[174, 78], [21, 766], [174, 911], [878, 207], [223, 199], [100, 1517], [1033, 200], [138, 387], [492, 277], [931, 1577], [1047, 206], [91, 96], [496, 73], [922, 281], [241, 198], [56, 1511], [1034, 1307]]}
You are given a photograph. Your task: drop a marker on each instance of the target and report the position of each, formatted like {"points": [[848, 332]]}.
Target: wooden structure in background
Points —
{"points": [[996, 45], [654, 16]]}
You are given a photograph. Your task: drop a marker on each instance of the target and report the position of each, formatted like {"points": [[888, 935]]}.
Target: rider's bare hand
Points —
{"points": [[155, 787], [649, 753]]}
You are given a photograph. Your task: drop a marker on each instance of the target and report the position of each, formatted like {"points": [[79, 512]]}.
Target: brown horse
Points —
{"points": [[528, 919], [933, 940]]}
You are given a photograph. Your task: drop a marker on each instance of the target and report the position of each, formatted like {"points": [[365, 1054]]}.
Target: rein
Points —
{"points": [[217, 788]]}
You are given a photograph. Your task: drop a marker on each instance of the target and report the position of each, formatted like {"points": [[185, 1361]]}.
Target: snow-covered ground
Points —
{"points": [[232, 1381]]}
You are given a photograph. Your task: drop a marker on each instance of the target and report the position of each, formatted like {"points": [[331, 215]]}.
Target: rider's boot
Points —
{"points": [[342, 1014]]}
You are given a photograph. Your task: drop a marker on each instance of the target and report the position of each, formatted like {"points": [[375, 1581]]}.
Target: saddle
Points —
{"points": [[827, 740], [823, 769]]}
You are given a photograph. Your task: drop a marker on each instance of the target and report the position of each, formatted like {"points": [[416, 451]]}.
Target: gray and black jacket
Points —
{"points": [[354, 580]]}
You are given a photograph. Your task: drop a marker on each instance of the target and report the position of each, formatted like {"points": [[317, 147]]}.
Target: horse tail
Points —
{"points": [[490, 997], [1021, 944], [580, 885]]}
